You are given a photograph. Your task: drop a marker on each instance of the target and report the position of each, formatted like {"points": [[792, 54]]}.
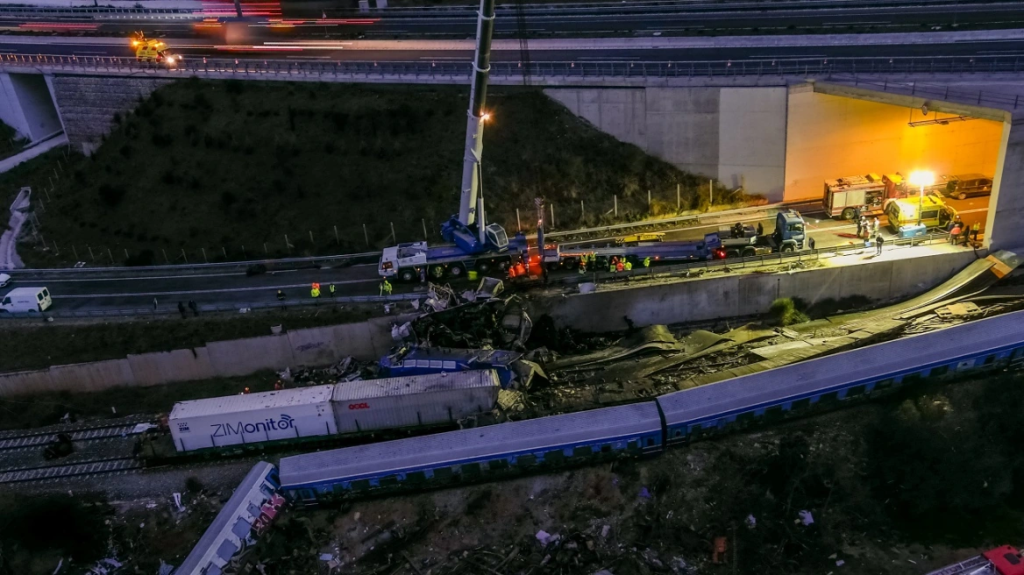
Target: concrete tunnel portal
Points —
{"points": [[784, 142], [835, 131]]}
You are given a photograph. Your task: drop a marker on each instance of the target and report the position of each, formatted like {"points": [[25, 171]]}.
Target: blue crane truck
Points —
{"points": [[729, 242]]}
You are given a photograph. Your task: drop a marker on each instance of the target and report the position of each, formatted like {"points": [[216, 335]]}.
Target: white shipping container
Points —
{"points": [[252, 418], [413, 400]]}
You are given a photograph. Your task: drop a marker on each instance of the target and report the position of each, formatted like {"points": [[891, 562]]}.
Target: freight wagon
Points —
{"points": [[228, 425], [413, 401], [252, 418], [646, 428]]}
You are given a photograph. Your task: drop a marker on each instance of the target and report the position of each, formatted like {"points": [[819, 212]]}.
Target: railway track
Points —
{"points": [[107, 466], [19, 439]]}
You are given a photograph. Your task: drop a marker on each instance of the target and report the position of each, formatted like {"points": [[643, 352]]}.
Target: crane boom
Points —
{"points": [[471, 173]]}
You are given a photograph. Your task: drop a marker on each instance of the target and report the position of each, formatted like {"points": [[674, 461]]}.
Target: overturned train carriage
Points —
{"points": [[647, 428], [470, 454]]}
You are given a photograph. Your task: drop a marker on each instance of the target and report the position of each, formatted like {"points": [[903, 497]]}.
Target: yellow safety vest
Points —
{"points": [[314, 292]]}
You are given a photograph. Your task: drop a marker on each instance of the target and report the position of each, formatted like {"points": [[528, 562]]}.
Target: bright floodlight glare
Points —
{"points": [[922, 178], [486, 116]]}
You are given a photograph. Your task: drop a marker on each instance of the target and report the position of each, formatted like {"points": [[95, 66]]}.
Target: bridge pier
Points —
{"points": [[28, 106]]}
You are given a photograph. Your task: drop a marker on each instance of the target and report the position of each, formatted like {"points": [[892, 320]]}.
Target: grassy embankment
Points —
{"points": [[222, 165], [37, 346]]}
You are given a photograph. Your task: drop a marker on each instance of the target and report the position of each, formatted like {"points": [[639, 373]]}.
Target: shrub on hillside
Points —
{"points": [[784, 312]]}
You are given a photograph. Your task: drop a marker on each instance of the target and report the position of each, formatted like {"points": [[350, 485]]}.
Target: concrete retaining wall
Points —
{"points": [[744, 295], [26, 106], [304, 347], [87, 104], [735, 135]]}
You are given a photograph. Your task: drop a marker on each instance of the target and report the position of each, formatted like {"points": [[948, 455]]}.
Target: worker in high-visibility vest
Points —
{"points": [[647, 262], [583, 266], [385, 287], [628, 265], [331, 289], [315, 291]]}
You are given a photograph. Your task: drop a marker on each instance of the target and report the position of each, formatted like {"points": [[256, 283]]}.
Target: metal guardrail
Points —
{"points": [[272, 265], [659, 272], [680, 5], [210, 308], [428, 71], [80, 11], [775, 259], [314, 261]]}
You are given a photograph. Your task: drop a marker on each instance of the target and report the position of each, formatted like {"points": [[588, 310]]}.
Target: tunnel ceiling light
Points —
{"points": [[940, 121]]}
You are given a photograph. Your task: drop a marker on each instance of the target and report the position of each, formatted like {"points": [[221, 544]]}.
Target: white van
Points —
{"points": [[27, 299]]}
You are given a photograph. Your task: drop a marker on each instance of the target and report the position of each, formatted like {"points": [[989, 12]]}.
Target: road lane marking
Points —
{"points": [[199, 292]]}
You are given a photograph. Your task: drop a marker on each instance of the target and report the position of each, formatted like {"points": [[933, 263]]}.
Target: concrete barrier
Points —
{"points": [[303, 347], [909, 273], [171, 366], [243, 356], [743, 295], [92, 376]]}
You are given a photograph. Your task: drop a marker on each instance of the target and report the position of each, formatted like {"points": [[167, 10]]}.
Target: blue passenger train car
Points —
{"points": [[976, 346], [472, 454]]}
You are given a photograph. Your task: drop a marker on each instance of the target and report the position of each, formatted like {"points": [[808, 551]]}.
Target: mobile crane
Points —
{"points": [[477, 245]]}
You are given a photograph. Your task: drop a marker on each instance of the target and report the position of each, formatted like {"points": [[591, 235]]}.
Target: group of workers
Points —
{"points": [[615, 264], [867, 228], [961, 233]]}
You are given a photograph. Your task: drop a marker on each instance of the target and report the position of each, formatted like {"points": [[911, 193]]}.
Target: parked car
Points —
{"points": [[963, 186], [5, 280], [28, 299]]}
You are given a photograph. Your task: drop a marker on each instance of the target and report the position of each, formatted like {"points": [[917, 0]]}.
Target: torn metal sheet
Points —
{"points": [[654, 338]]}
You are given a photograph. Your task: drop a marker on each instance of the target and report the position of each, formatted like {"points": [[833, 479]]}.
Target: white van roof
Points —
{"points": [[23, 291]]}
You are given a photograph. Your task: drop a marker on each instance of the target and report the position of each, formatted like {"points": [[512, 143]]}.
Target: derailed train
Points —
{"points": [[225, 425], [647, 428]]}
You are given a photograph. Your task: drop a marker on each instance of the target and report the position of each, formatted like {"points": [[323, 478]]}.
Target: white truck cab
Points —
{"points": [[403, 256], [26, 299]]}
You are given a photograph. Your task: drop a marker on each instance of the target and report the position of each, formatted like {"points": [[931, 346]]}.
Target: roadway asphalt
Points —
{"points": [[239, 290], [613, 19], [352, 51]]}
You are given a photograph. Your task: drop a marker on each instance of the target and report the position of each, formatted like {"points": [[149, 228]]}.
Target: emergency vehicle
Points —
{"points": [[153, 51]]}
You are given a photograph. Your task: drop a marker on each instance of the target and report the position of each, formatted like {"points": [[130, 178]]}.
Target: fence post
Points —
{"points": [[287, 244], [394, 237], [111, 256], [224, 251], [183, 256], [648, 201], [711, 192], [424, 222], [311, 237], [615, 198], [679, 205], [125, 253], [165, 256], [583, 213], [519, 224], [265, 251], [336, 240], [204, 255], [552, 206], [366, 236]]}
